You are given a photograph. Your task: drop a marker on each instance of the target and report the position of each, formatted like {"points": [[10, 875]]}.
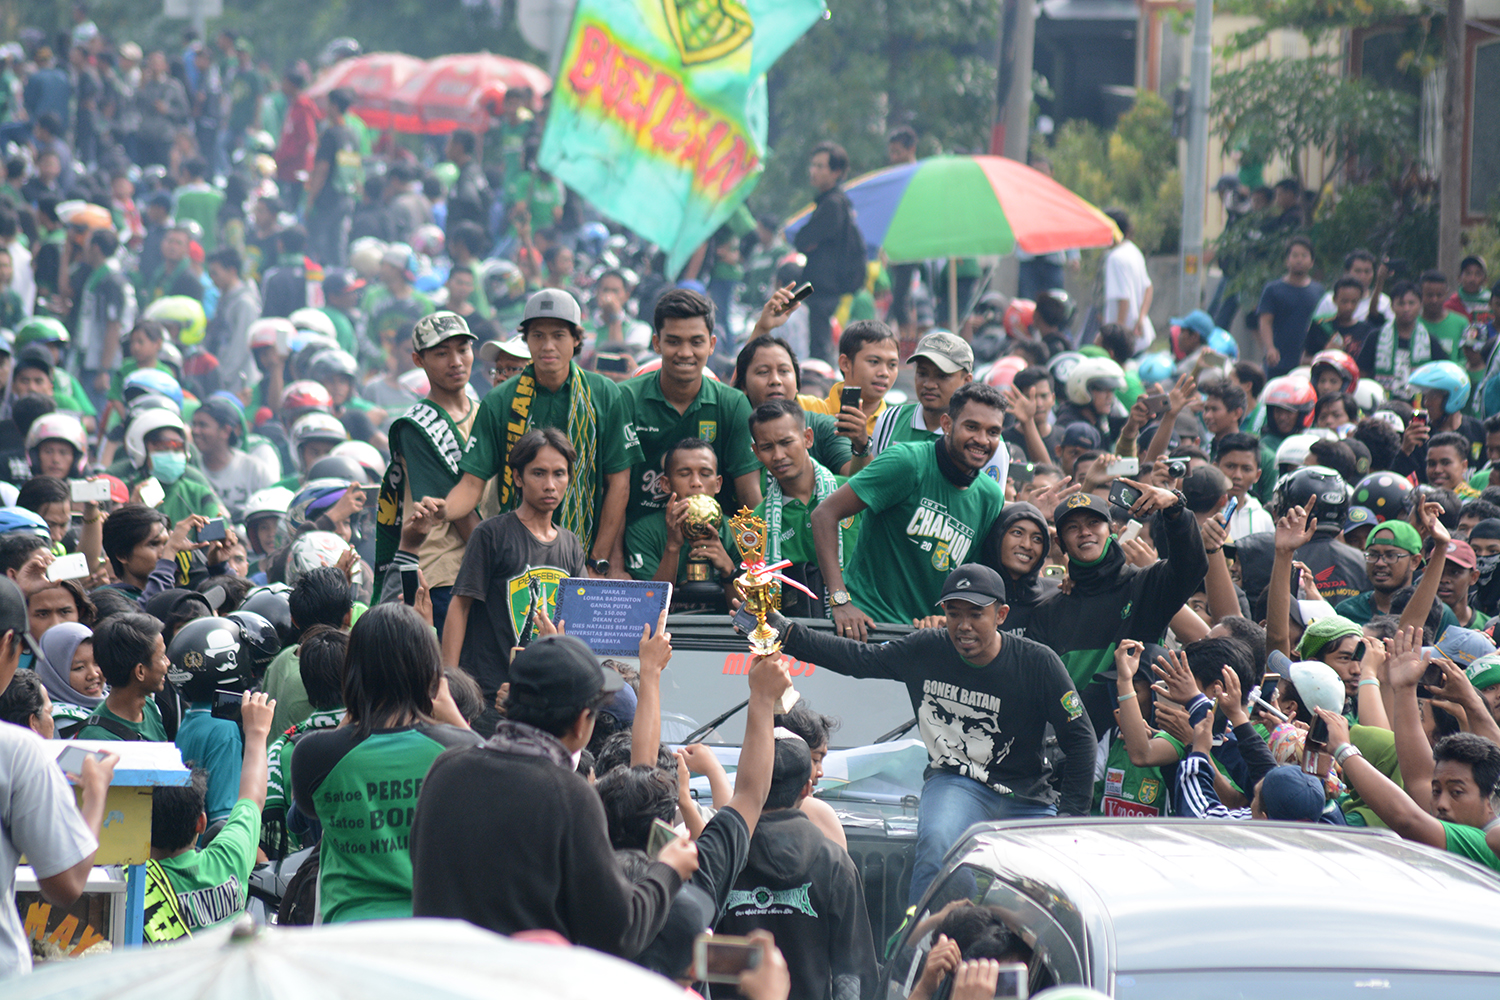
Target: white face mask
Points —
{"points": [[576, 756]]}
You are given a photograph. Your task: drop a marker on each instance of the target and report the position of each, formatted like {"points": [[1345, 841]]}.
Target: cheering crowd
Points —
{"points": [[302, 427]]}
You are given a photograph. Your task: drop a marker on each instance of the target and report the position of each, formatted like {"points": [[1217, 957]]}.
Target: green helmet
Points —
{"points": [[41, 330]]}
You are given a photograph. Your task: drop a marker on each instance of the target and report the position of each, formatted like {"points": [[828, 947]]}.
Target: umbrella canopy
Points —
{"points": [[374, 78], [445, 95], [968, 206], [368, 960]]}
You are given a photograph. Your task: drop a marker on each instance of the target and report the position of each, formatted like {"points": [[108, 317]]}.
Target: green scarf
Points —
{"points": [[1385, 348], [823, 485], [577, 509], [441, 435]]}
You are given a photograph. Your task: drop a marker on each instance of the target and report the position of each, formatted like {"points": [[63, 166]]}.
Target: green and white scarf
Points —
{"points": [[823, 485], [577, 510], [1385, 348]]}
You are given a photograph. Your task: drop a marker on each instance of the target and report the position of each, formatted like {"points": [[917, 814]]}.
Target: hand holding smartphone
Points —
{"points": [[74, 566], [151, 493], [1122, 494], [802, 292], [72, 757], [722, 958], [89, 490]]}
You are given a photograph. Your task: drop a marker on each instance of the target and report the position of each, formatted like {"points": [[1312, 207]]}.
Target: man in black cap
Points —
{"points": [[1116, 599], [983, 701], [510, 837]]}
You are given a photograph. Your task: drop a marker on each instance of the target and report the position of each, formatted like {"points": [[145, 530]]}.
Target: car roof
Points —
{"points": [[1193, 894]]}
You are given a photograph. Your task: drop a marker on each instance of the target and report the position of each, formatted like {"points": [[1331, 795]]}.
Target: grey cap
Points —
{"points": [[552, 303], [434, 328], [949, 352]]}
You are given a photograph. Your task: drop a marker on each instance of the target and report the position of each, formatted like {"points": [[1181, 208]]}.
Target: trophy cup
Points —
{"points": [[757, 585], [702, 521]]}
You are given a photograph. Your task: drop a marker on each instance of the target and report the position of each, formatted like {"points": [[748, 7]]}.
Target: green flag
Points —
{"points": [[659, 109]]}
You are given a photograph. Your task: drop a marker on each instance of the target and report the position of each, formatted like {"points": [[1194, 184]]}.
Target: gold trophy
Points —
{"points": [[702, 521], [757, 585]]}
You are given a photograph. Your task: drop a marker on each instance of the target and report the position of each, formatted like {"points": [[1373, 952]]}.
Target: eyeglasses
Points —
{"points": [[1386, 557]]}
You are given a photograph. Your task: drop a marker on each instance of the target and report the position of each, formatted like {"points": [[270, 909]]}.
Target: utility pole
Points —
{"points": [[1450, 183], [1016, 114], [1195, 174]]}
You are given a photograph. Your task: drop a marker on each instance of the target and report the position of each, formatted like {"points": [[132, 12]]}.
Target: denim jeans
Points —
{"points": [[950, 805]]}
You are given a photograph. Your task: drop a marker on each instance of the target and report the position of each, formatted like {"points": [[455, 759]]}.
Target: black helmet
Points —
{"points": [[261, 640], [272, 604], [205, 656], [1384, 494], [1327, 488], [339, 467]]}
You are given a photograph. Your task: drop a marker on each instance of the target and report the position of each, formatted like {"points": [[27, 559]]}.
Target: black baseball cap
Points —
{"points": [[13, 615], [1080, 502], [561, 672], [975, 583]]}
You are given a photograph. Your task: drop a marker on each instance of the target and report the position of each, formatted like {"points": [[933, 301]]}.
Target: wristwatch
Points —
{"points": [[600, 566], [838, 598], [1346, 751]]}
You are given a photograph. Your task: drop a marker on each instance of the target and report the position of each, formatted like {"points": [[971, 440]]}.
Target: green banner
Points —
{"points": [[659, 110]]}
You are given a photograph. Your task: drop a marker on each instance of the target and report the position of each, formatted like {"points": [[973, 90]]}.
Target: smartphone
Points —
{"points": [[283, 341], [612, 364], [662, 834], [89, 490], [1268, 683], [72, 757], [409, 584], [1014, 981], [1054, 570], [372, 496], [1432, 675], [222, 698], [1124, 467], [850, 396], [745, 621], [213, 531], [1419, 418], [151, 492], [1131, 531], [721, 958], [1316, 759], [69, 567], [1229, 509], [798, 294], [1157, 405], [1121, 494]]}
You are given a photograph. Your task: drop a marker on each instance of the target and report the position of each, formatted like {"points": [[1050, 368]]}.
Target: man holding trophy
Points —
{"points": [[692, 520]]}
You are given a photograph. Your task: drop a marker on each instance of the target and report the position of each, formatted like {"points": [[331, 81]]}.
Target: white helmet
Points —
{"points": [[143, 424], [1093, 373], [365, 454], [364, 256], [317, 427], [1369, 394], [315, 320], [1318, 685], [270, 502], [1294, 449], [312, 550], [58, 427], [265, 332]]}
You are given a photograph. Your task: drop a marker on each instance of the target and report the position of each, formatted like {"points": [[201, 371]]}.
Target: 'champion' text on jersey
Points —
{"points": [[947, 538]]}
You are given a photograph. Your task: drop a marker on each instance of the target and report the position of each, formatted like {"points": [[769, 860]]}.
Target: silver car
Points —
{"points": [[1178, 909]]}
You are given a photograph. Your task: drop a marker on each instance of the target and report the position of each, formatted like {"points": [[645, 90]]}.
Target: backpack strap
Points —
{"points": [[112, 727]]}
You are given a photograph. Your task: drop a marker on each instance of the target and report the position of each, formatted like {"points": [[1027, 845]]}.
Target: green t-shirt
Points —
{"points": [[212, 884], [796, 529], [283, 682], [202, 206], [1378, 746], [150, 727], [918, 528], [386, 313], [1360, 608], [646, 541], [543, 197], [68, 395], [830, 449], [1128, 790], [343, 329], [279, 767], [719, 415], [1468, 842], [1448, 331], [616, 446]]}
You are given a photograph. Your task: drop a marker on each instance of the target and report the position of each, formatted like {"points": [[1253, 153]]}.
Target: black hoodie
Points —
{"points": [[1023, 593], [804, 889]]}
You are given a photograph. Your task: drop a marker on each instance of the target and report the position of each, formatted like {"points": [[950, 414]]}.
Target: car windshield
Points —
{"points": [[1325, 984]]}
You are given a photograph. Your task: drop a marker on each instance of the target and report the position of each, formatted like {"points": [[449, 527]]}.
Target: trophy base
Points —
{"points": [[764, 641]]}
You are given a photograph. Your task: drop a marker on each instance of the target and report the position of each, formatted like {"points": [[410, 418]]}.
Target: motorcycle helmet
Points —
{"points": [[1327, 488], [152, 401], [266, 332], [503, 283], [152, 380], [367, 455], [144, 424], [364, 256], [314, 321], [1318, 685], [1223, 342], [58, 427], [1154, 368], [205, 658], [1369, 394], [1293, 450], [1445, 377], [1003, 372], [1339, 362], [271, 603], [338, 467], [1384, 494], [40, 330], [304, 396], [271, 502], [183, 312], [259, 641], [1292, 392], [19, 519], [317, 427], [592, 237], [314, 500], [1018, 317], [313, 550], [1093, 374], [329, 363]]}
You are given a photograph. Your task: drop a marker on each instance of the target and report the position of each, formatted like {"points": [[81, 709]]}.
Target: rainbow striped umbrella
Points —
{"points": [[968, 206]]}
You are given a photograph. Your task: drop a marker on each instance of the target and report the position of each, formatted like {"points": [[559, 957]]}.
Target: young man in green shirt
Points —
{"points": [[795, 485], [395, 300], [928, 502], [132, 655], [427, 445], [190, 890], [1444, 326], [681, 402], [553, 391], [654, 544]]}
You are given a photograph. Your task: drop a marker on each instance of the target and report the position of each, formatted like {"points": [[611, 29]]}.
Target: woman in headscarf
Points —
{"points": [[73, 680]]}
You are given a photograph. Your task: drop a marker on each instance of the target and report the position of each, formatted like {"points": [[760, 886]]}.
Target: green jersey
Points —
{"points": [[364, 791], [69, 395], [719, 415], [796, 529], [918, 527], [1447, 331], [343, 329], [522, 403], [201, 203], [646, 542], [283, 682], [1127, 790], [211, 885], [1468, 842], [279, 773], [149, 728]]}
